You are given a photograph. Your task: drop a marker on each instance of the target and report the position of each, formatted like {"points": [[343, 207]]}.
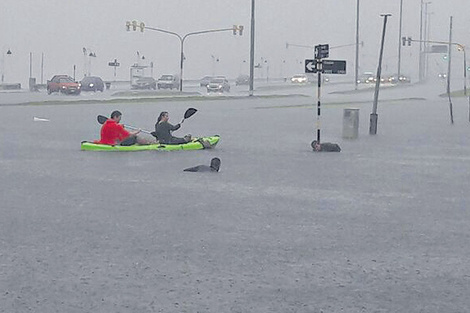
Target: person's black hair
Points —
{"points": [[115, 114], [161, 116], [215, 164]]}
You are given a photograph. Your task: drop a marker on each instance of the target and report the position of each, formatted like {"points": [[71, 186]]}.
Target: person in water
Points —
{"points": [[325, 147], [163, 131], [113, 133], [214, 167]]}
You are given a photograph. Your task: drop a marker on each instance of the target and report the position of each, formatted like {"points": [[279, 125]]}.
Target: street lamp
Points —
{"points": [[399, 39], [3, 65], [134, 24], [214, 60], [356, 63], [87, 54]]}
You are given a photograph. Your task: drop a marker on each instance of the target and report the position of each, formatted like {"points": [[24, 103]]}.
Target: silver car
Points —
{"points": [[218, 84]]}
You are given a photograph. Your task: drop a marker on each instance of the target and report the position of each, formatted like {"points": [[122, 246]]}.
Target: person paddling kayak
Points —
{"points": [[113, 133], [163, 130]]}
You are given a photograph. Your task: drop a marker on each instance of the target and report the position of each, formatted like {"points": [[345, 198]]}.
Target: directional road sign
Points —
{"points": [[328, 66], [334, 67], [115, 63], [322, 51], [310, 66]]}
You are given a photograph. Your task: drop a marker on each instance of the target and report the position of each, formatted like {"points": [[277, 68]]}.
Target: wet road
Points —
{"points": [[380, 227]]}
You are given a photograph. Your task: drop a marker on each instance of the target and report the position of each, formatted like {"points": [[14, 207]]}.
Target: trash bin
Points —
{"points": [[108, 85], [32, 84], [350, 123]]}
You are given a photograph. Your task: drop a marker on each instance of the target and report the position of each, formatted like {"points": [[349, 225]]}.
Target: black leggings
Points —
{"points": [[129, 141]]}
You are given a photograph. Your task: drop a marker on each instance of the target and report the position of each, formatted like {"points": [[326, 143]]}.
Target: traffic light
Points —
{"points": [[404, 40], [238, 28]]}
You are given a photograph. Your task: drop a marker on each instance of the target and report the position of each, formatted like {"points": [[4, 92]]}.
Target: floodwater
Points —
{"points": [[381, 226]]}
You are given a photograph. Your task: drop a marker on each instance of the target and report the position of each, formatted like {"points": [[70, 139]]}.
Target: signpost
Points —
{"points": [[329, 66], [115, 64], [320, 66]]}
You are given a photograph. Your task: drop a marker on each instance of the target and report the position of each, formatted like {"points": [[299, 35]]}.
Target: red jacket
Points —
{"points": [[112, 133]]}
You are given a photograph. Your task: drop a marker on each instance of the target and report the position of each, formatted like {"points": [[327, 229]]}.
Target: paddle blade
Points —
{"points": [[101, 119], [189, 112]]}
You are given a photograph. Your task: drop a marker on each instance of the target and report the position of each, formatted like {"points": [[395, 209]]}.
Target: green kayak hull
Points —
{"points": [[193, 145]]}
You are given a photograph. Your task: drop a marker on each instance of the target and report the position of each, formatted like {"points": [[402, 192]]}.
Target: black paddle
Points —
{"points": [[102, 119], [189, 112]]}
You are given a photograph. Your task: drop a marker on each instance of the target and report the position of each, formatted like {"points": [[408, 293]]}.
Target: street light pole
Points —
{"points": [[425, 43], [356, 65], [183, 38], [448, 73], [252, 48], [373, 115], [399, 39], [420, 63]]}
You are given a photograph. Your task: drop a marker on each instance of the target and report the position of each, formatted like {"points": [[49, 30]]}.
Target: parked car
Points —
{"points": [[218, 84], [242, 80], [168, 82], [64, 84], [299, 79], [205, 81], [145, 83], [92, 83]]}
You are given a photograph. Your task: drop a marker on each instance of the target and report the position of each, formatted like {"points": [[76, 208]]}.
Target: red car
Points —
{"points": [[64, 84]]}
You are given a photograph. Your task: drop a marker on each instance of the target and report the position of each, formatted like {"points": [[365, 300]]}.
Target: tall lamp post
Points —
{"points": [[356, 64], [252, 48], [182, 38], [3, 67], [87, 55], [399, 39]]}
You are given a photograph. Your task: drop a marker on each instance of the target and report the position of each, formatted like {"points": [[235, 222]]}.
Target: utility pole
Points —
{"points": [[399, 39], [252, 48], [448, 73], [420, 63], [42, 68], [425, 43], [373, 115], [30, 64], [356, 65]]}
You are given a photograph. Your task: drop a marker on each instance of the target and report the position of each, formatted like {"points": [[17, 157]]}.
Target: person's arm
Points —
{"points": [[174, 127], [122, 133]]}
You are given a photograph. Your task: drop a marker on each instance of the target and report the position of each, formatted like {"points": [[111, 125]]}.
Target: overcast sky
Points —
{"points": [[62, 28]]}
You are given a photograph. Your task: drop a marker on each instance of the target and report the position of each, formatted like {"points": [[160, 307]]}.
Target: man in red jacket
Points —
{"points": [[113, 133]]}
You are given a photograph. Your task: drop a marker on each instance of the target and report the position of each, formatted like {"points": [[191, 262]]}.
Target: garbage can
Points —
{"points": [[32, 84], [108, 85], [350, 123]]}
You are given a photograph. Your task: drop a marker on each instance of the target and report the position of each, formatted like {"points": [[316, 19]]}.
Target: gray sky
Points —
{"points": [[62, 28]]}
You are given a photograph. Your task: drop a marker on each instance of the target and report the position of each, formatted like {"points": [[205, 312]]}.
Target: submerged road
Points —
{"points": [[380, 227]]}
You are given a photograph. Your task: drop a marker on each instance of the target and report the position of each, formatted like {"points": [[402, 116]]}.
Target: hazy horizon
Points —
{"points": [[61, 29]]}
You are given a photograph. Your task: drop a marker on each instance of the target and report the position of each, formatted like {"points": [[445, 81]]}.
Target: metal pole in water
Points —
{"points": [[374, 116], [448, 73]]}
